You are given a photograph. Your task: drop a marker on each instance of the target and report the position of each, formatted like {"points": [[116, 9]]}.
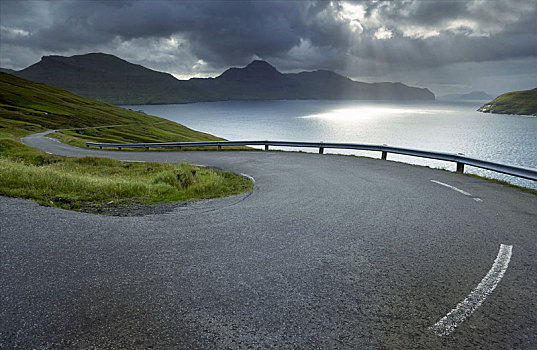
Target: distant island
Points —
{"points": [[517, 102], [474, 95], [107, 78]]}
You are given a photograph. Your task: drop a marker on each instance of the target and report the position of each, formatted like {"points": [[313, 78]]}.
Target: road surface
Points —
{"points": [[328, 252]]}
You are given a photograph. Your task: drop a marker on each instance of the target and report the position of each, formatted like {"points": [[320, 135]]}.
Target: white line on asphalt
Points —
{"points": [[478, 199], [452, 187], [248, 176], [53, 139], [466, 307]]}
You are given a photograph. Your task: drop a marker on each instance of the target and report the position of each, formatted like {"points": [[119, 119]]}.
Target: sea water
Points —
{"points": [[444, 126]]}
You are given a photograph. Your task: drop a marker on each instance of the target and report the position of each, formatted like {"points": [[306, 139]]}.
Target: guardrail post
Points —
{"points": [[266, 147], [100, 147], [179, 147], [460, 167], [219, 147], [119, 148], [384, 155], [321, 150], [146, 148]]}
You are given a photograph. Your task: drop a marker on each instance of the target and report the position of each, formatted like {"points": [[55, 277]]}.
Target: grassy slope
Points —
{"points": [[47, 107], [516, 102], [27, 107]]}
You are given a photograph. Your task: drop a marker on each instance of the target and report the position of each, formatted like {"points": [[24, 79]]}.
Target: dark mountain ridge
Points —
{"points": [[110, 79], [100, 77]]}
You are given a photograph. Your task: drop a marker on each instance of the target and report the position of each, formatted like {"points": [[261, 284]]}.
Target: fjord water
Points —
{"points": [[445, 126]]}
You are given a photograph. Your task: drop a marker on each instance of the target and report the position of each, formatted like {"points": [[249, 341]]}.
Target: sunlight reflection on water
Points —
{"points": [[368, 113]]}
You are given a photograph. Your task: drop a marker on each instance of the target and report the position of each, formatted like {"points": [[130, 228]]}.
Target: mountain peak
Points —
{"points": [[260, 65], [255, 70]]}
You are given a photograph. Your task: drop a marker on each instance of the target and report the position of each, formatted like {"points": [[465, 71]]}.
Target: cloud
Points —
{"points": [[383, 33], [175, 36]]}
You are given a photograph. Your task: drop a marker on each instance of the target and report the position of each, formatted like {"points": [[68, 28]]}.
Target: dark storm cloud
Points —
{"points": [[200, 37], [217, 31], [233, 31], [447, 48]]}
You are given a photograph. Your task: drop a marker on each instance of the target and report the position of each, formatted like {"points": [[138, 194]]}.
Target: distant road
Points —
{"points": [[328, 252]]}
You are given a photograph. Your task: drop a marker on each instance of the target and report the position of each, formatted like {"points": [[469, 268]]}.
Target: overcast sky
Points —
{"points": [[446, 46]]}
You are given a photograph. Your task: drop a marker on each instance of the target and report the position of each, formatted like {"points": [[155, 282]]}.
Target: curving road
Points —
{"points": [[328, 252]]}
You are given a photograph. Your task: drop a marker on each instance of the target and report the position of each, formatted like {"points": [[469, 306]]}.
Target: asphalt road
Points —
{"points": [[328, 252]]}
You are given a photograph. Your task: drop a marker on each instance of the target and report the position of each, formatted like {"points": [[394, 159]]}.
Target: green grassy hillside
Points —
{"points": [[94, 184], [517, 102], [34, 106]]}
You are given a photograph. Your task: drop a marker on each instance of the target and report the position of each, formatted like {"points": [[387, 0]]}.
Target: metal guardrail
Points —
{"points": [[526, 173]]}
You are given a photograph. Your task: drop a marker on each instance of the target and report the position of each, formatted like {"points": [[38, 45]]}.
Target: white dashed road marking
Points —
{"points": [[53, 139], [458, 190], [452, 187], [466, 307]]}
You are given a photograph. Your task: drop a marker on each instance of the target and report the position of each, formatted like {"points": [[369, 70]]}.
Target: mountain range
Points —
{"points": [[107, 78]]}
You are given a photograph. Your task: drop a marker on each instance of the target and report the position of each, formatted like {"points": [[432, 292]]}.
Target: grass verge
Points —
{"points": [[75, 183]]}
